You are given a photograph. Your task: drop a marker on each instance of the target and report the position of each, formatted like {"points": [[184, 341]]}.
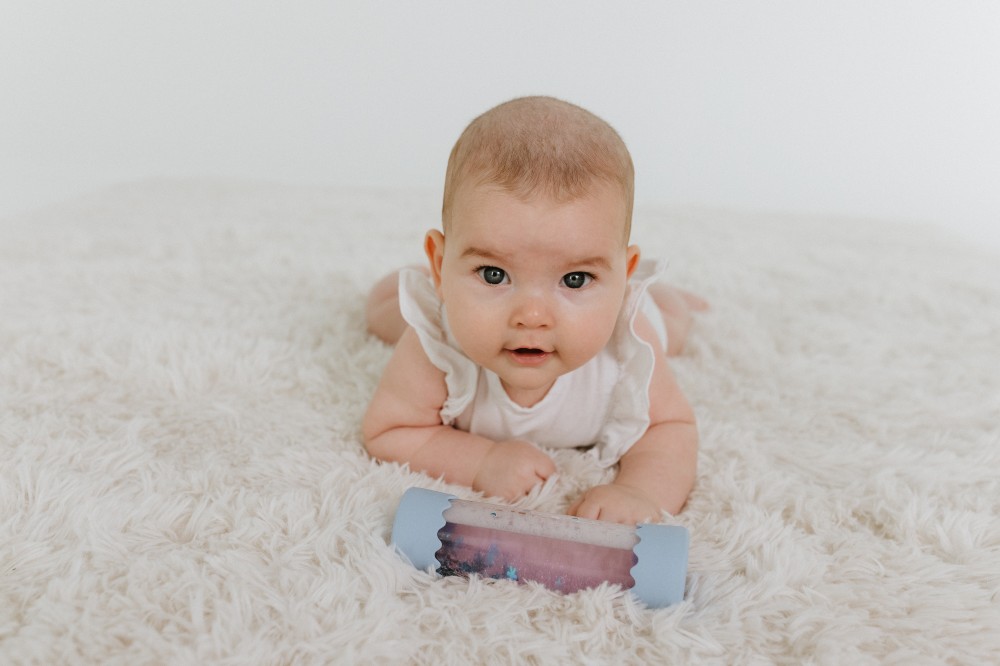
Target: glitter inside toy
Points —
{"points": [[564, 553]]}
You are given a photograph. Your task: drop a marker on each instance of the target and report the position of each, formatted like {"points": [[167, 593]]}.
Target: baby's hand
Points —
{"points": [[511, 469], [617, 504]]}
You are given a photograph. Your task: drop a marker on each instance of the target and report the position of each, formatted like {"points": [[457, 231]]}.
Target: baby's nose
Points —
{"points": [[532, 310]]}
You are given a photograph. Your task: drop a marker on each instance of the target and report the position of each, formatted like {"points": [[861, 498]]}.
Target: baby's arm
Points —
{"points": [[403, 424], [658, 472]]}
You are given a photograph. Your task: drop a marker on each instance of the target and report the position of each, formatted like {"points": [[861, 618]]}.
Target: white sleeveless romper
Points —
{"points": [[603, 404]]}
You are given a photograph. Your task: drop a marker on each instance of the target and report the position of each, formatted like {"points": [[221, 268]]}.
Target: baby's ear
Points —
{"points": [[434, 249], [632, 256]]}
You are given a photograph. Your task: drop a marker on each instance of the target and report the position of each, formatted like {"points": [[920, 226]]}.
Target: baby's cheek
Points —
{"points": [[474, 329], [595, 328]]}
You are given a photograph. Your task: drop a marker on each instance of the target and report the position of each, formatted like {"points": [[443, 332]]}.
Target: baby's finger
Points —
{"points": [[545, 468], [515, 493], [586, 509]]}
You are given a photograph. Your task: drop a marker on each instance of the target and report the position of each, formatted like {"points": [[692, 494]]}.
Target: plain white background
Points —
{"points": [[871, 109]]}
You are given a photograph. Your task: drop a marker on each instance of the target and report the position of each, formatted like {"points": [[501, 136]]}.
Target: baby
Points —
{"points": [[537, 324]]}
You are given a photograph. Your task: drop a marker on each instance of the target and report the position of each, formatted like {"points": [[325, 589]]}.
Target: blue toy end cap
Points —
{"points": [[415, 528], [661, 570]]}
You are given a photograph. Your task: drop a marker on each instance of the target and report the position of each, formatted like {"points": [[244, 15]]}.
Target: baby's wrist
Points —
{"points": [[483, 468], [637, 491]]}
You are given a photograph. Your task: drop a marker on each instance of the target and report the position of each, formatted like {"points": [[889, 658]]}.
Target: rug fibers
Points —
{"points": [[183, 371]]}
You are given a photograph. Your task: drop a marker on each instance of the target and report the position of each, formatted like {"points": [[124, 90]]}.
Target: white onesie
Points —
{"points": [[604, 402]]}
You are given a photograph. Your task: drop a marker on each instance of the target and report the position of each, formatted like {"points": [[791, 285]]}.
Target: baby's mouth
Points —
{"points": [[528, 355]]}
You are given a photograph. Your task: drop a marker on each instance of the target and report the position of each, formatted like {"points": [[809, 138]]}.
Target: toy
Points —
{"points": [[564, 553]]}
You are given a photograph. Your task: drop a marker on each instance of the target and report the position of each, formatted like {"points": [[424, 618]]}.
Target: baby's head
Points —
{"points": [[540, 146], [533, 264]]}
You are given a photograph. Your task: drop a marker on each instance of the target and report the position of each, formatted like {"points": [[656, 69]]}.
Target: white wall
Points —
{"points": [[884, 109]]}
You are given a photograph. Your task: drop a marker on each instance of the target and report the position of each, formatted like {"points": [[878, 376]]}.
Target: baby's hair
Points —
{"points": [[540, 145]]}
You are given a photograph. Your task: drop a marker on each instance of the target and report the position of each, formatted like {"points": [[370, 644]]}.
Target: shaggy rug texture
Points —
{"points": [[183, 372]]}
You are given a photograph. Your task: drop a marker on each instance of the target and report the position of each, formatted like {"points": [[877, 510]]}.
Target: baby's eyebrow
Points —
{"points": [[484, 253], [596, 261]]}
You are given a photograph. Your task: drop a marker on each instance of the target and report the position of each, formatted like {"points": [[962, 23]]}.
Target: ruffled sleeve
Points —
{"points": [[423, 310], [628, 415]]}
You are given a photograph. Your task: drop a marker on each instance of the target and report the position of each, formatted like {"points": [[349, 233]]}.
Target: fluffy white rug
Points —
{"points": [[183, 370]]}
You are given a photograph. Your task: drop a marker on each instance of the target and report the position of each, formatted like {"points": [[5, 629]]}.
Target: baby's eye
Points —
{"points": [[577, 280], [492, 275]]}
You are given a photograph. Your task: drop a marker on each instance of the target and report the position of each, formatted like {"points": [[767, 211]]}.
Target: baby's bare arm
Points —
{"points": [[662, 465], [403, 424], [658, 472]]}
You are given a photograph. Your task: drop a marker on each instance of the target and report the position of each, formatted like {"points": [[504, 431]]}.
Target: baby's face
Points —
{"points": [[532, 289]]}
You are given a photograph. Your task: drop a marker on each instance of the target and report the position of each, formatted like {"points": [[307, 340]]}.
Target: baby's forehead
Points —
{"points": [[599, 194]]}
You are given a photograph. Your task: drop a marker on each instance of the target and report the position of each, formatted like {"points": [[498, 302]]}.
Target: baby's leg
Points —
{"points": [[382, 310], [676, 306]]}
